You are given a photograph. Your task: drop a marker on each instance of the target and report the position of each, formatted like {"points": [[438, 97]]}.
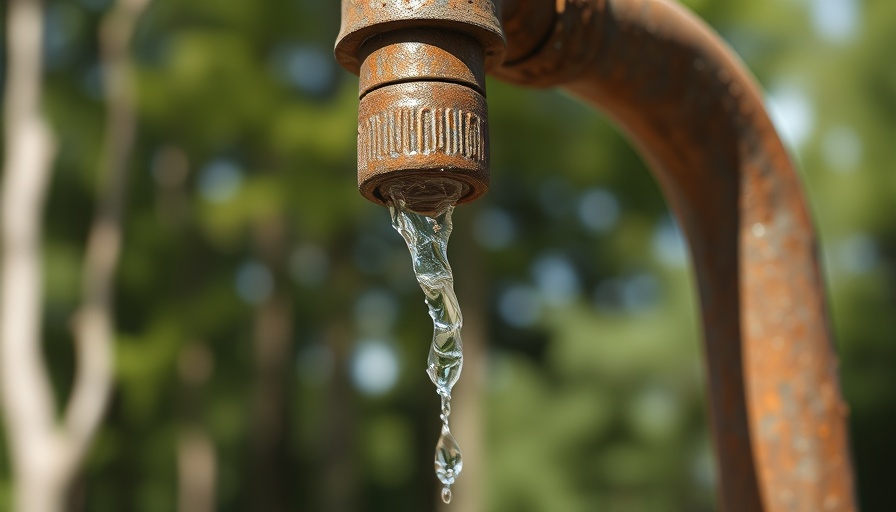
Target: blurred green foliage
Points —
{"points": [[243, 208]]}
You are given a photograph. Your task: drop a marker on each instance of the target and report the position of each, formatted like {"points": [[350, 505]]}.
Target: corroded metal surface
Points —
{"points": [[564, 52], [698, 118], [423, 113], [420, 131], [526, 25], [362, 19], [422, 55], [696, 114]]}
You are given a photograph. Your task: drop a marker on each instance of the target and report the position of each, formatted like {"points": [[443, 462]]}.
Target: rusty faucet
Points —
{"points": [[697, 116]]}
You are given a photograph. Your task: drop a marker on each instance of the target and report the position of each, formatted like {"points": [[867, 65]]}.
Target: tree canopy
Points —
{"points": [[269, 332]]}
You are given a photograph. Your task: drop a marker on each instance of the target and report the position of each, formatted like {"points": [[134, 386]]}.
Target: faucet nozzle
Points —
{"points": [[422, 115]]}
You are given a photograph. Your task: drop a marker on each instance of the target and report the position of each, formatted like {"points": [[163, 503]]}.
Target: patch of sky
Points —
{"points": [[634, 294], [556, 278], [254, 282], [494, 228], [598, 210], [63, 24], [669, 246], [374, 367], [307, 68], [856, 254], [703, 465], [92, 82], [836, 21], [792, 112], [220, 181], [520, 306]]}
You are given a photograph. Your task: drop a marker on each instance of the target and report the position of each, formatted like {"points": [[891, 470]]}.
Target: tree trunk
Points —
{"points": [[273, 359], [196, 458], [45, 455], [339, 462]]}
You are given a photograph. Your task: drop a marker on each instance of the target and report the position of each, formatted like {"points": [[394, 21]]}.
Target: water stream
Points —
{"points": [[426, 235]]}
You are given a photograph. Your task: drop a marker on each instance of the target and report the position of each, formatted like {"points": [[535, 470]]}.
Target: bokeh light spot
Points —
{"points": [[374, 367]]}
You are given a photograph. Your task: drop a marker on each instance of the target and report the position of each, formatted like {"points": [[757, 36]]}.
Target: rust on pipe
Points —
{"points": [[422, 116], [690, 106], [422, 131], [421, 55], [698, 118], [363, 19]]}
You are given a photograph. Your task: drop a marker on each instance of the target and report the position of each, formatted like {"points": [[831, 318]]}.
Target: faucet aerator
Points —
{"points": [[422, 117]]}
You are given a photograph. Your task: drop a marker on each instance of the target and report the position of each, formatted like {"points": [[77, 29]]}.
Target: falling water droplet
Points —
{"points": [[449, 462], [446, 495]]}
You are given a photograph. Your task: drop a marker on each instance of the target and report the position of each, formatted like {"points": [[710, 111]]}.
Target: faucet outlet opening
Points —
{"points": [[426, 196]]}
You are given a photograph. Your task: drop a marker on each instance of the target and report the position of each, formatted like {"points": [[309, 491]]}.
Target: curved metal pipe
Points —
{"points": [[697, 116]]}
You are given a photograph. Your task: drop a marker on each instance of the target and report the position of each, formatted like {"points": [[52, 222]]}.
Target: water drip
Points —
{"points": [[426, 235]]}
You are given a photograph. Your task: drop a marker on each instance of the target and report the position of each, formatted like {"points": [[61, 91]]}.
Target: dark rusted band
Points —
{"points": [[422, 55], [526, 24], [423, 130], [561, 55]]}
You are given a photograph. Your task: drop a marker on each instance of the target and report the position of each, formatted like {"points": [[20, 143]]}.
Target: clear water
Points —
{"points": [[426, 235]]}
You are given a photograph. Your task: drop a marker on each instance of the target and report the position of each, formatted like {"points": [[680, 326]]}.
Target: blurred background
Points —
{"points": [[271, 340]]}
